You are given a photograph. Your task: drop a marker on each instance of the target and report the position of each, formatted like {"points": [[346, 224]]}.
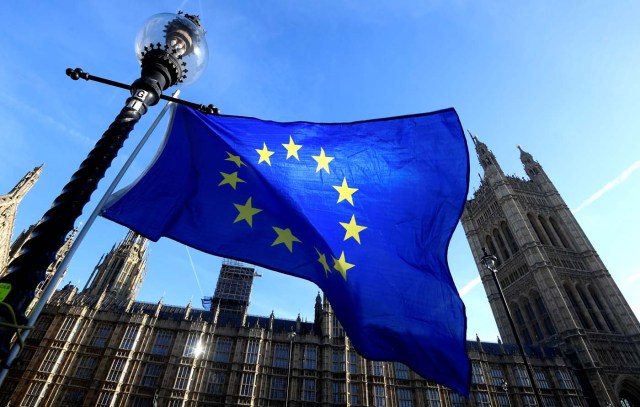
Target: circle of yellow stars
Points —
{"points": [[285, 236]]}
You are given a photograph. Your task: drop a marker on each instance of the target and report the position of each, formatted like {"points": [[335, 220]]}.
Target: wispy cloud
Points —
{"points": [[47, 119], [193, 267], [632, 278], [610, 185], [469, 286]]}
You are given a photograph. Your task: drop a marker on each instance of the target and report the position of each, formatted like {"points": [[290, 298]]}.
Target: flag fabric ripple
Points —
{"points": [[365, 210]]}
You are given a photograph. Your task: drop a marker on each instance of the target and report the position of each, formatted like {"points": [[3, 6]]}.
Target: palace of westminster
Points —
{"points": [[100, 347]]}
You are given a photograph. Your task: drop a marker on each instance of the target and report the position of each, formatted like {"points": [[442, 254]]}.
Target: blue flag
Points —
{"points": [[365, 210]]}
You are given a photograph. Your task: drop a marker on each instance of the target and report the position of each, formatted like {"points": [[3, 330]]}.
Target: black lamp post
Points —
{"points": [[489, 261], [291, 336], [172, 50], [505, 387]]}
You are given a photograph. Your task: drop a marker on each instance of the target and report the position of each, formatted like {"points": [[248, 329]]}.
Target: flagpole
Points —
{"points": [[57, 276], [118, 178], [167, 45]]}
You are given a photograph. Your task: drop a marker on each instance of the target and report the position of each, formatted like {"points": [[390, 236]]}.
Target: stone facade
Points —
{"points": [[93, 350]]}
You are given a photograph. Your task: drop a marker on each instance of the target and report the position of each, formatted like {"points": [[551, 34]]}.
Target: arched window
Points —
{"points": [[548, 232], [601, 308], [534, 223], [500, 242], [560, 233], [532, 320], [507, 234], [543, 313], [576, 308], [589, 308], [492, 249], [521, 323]]}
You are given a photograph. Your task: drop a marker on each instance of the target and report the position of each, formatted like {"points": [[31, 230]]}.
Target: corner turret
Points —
{"points": [[121, 272], [536, 173], [486, 158], [531, 166], [317, 321]]}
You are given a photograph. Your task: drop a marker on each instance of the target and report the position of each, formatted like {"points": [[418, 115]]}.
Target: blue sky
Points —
{"points": [[559, 78]]}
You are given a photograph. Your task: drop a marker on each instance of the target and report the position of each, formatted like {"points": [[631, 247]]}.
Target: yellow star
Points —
{"points": [[341, 265], [230, 179], [323, 161], [353, 230], [292, 149], [322, 259], [345, 192], [246, 212], [285, 237], [234, 158], [264, 154]]}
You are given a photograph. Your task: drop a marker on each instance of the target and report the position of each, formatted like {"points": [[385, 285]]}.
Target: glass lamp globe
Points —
{"points": [[489, 261], [182, 37]]}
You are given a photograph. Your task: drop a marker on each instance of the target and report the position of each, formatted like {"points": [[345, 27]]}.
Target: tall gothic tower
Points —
{"points": [[8, 208], [119, 275], [230, 302], [558, 290]]}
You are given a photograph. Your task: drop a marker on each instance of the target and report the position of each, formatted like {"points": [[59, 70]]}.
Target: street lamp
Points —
{"points": [[489, 261], [291, 336], [505, 387], [172, 50]]}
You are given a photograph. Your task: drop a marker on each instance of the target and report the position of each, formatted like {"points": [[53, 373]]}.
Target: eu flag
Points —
{"points": [[365, 210]]}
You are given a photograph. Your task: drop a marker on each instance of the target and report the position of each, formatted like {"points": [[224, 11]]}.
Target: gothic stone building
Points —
{"points": [[101, 347], [557, 288]]}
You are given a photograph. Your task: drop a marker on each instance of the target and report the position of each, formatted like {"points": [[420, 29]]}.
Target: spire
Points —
{"points": [[318, 303], [67, 244], [8, 210], [537, 174], [187, 311], [485, 157], [480, 348], [159, 307], [317, 321], [473, 138], [121, 272], [531, 166], [25, 184]]}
